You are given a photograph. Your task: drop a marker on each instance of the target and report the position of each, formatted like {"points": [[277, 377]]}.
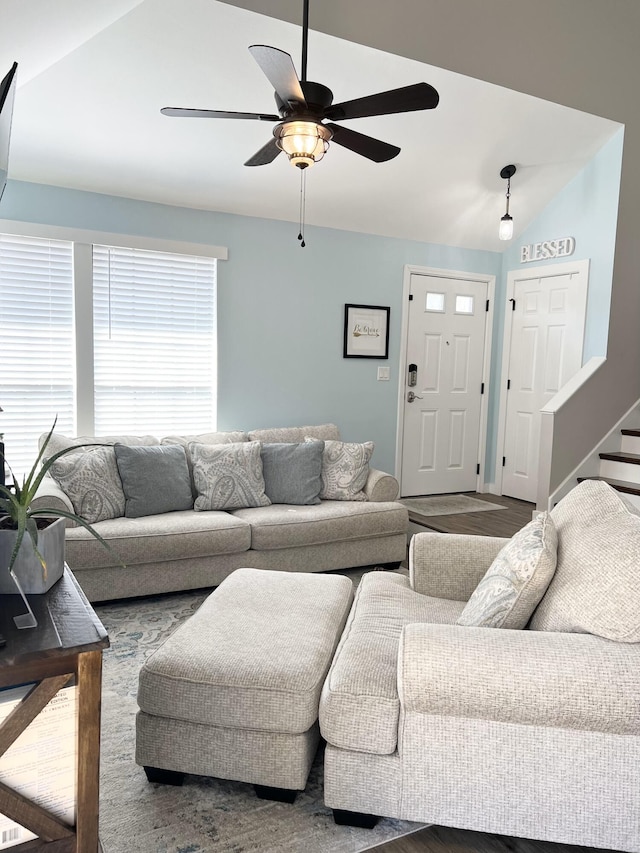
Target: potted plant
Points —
{"points": [[34, 562]]}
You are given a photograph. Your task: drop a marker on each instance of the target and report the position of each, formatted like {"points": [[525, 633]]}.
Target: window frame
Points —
{"points": [[82, 241]]}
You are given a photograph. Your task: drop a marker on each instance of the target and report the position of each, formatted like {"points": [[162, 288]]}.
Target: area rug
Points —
{"points": [[205, 815], [447, 505]]}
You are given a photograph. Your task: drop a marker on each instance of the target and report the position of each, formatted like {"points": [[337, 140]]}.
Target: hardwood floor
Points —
{"points": [[440, 839], [497, 522]]}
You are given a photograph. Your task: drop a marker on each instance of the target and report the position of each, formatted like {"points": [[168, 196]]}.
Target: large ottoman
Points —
{"points": [[234, 692]]}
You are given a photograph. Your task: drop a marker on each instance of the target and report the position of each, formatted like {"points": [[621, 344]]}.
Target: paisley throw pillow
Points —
{"points": [[516, 580], [345, 469], [228, 476], [91, 481]]}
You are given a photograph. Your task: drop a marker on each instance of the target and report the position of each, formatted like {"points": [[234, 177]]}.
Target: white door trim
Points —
{"points": [[544, 271], [490, 281]]}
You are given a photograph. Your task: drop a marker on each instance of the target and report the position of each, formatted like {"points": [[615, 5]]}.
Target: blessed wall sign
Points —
{"points": [[561, 247]]}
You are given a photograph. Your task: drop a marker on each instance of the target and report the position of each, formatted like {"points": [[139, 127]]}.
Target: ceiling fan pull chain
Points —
{"points": [[303, 204]]}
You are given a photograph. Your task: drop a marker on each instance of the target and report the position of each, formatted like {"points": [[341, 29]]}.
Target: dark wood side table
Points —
{"points": [[67, 644]]}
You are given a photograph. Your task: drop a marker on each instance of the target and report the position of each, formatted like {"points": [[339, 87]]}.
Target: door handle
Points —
{"points": [[411, 397]]}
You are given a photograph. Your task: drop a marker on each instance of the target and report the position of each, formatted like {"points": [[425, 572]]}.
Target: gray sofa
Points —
{"points": [[187, 549], [532, 733]]}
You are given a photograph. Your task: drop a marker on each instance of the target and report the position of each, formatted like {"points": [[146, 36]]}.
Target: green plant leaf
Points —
{"points": [[61, 513]]}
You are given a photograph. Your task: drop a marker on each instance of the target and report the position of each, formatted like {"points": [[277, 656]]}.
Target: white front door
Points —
{"points": [[445, 342], [544, 335]]}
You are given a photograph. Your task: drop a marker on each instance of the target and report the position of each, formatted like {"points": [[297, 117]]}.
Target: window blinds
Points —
{"points": [[154, 342], [37, 373]]}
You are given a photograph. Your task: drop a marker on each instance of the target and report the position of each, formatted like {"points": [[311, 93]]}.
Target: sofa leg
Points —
{"points": [[164, 777], [346, 818], [280, 795], [388, 567]]}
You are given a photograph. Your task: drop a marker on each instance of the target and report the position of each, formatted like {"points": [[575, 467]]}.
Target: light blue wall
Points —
{"points": [[280, 306], [587, 210]]}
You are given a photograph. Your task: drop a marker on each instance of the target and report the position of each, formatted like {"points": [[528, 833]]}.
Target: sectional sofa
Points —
{"points": [[189, 549]]}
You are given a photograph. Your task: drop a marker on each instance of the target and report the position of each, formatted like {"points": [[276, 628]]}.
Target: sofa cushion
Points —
{"points": [[359, 706], [58, 441], [279, 526], [595, 588], [293, 472], [345, 469], [207, 438], [154, 479], [228, 476], [516, 580], [161, 538], [91, 481], [286, 434]]}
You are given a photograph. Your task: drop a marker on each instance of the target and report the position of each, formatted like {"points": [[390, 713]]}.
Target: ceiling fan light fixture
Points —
{"points": [[505, 231], [304, 142]]}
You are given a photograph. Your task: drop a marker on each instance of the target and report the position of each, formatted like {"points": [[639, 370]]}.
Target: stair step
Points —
{"points": [[628, 458], [634, 432], [618, 485]]}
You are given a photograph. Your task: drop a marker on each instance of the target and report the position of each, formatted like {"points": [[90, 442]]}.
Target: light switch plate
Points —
{"points": [[383, 374]]}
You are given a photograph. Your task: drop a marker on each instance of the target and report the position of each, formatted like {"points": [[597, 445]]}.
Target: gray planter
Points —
{"points": [[27, 567]]}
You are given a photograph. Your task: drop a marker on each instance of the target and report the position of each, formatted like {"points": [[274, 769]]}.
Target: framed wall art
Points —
{"points": [[366, 331]]}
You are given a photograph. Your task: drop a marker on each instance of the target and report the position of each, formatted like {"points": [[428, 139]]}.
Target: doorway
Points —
{"points": [[543, 342], [444, 382]]}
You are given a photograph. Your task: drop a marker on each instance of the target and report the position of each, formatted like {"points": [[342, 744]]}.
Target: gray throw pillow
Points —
{"points": [[293, 472], [228, 476], [91, 481], [516, 580], [154, 479]]}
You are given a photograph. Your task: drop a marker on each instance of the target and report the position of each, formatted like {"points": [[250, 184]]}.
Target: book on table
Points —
{"points": [[41, 763]]}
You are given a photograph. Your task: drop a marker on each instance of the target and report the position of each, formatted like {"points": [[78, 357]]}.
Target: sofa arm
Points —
{"points": [[570, 681], [51, 496], [381, 486], [447, 565]]}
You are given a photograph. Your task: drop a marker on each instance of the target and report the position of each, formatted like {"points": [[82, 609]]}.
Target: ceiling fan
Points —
{"points": [[302, 131]]}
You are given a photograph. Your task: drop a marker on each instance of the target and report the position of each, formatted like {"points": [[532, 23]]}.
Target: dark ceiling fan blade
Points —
{"points": [[420, 96], [185, 112], [267, 154], [367, 146], [280, 71]]}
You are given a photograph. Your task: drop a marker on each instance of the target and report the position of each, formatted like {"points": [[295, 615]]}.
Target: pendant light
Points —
{"points": [[506, 223]]}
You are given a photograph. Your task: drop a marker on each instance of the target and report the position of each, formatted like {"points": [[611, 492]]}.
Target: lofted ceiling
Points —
{"points": [[93, 76]]}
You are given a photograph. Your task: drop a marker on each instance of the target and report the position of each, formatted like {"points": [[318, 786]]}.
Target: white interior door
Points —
{"points": [[544, 336], [441, 427]]}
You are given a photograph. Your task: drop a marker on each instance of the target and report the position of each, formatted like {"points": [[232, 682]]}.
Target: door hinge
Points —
{"points": [[410, 297], [478, 469], [482, 388], [504, 461], [487, 306], [508, 384]]}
